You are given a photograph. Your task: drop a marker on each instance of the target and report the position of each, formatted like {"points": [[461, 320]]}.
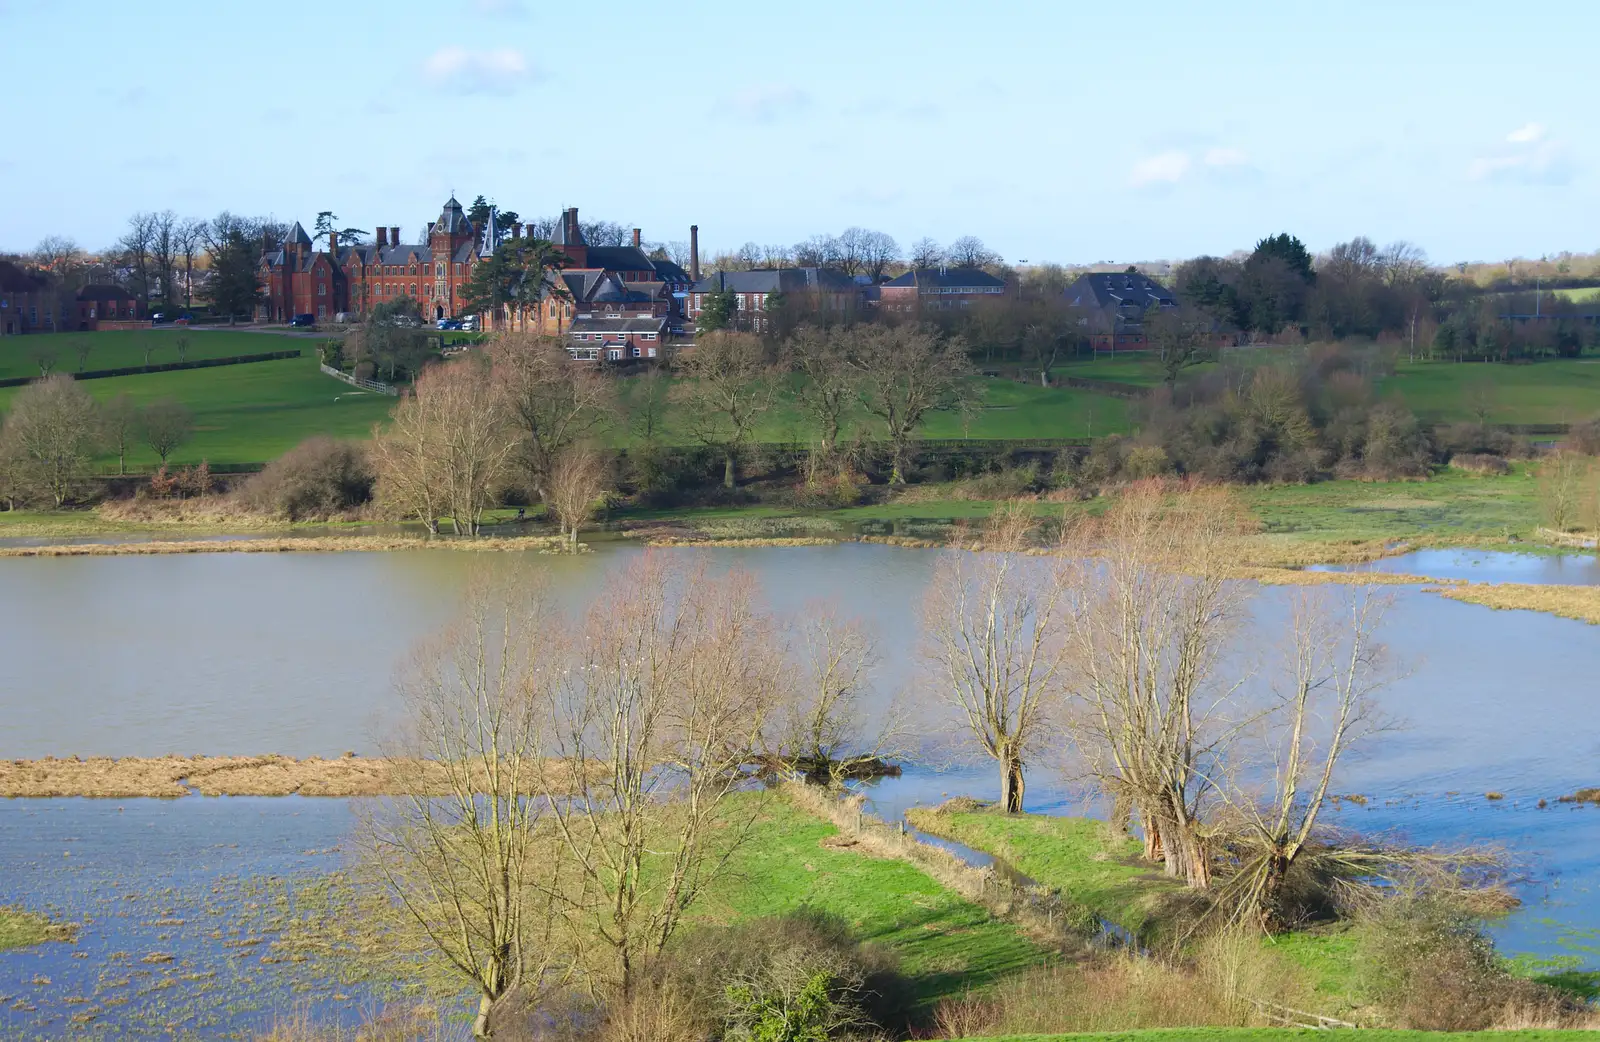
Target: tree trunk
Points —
{"points": [[727, 469], [1012, 783], [1272, 918]]}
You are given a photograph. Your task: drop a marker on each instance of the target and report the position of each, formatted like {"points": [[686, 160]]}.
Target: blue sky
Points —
{"points": [[1059, 130]]}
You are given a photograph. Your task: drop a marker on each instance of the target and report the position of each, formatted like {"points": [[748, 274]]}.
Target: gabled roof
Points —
{"points": [[14, 280], [103, 291], [617, 325], [670, 271], [1117, 289], [947, 278], [453, 220], [297, 235], [620, 258]]}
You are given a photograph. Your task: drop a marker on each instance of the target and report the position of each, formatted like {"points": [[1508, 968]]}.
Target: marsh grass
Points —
{"points": [[1569, 602], [19, 929], [314, 544]]}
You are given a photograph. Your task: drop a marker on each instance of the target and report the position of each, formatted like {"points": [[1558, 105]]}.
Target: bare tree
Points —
{"points": [[180, 344], [575, 483], [58, 254], [970, 252], [1324, 709], [926, 253], [729, 385], [44, 356], [553, 400], [136, 245], [189, 238], [993, 644], [647, 406], [676, 678], [167, 425], [120, 421], [1561, 479], [878, 251], [827, 389], [82, 349], [460, 850], [1153, 608], [1180, 340], [51, 432], [821, 729], [905, 372], [164, 251], [820, 251], [449, 449]]}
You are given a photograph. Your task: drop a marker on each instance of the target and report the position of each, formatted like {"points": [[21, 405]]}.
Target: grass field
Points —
{"points": [[116, 350], [244, 413], [1450, 504], [1583, 295], [945, 943], [1553, 391]]}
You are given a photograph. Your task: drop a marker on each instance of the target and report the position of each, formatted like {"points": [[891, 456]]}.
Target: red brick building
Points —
{"points": [[106, 306], [940, 288], [1112, 306], [298, 280], [25, 301], [820, 289]]}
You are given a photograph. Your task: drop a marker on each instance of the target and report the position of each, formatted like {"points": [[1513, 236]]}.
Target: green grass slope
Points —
{"points": [[121, 348], [1551, 391]]}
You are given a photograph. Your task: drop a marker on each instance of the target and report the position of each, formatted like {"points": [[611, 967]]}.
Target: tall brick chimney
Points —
{"points": [[516, 229], [572, 224], [636, 238], [383, 236], [694, 252], [394, 235]]}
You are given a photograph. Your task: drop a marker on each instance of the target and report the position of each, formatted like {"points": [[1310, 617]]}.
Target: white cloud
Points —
{"points": [[1162, 168], [1226, 157], [768, 102], [498, 70], [1528, 156]]}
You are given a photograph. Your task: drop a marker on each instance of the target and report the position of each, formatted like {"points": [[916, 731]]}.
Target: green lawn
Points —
{"points": [[1581, 295], [116, 350], [1008, 410], [945, 943], [1551, 391], [247, 413], [1451, 503]]}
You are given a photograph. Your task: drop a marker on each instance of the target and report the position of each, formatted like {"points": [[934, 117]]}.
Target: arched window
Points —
{"points": [[438, 270], [413, 269], [413, 290]]}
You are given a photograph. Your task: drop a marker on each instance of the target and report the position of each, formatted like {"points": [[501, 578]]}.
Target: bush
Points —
{"points": [[1479, 463], [1430, 967], [318, 479]]}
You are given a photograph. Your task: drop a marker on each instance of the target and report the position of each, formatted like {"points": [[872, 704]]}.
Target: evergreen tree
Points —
{"points": [[235, 282]]}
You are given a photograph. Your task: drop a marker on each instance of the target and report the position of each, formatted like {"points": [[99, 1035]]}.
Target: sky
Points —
{"points": [[1057, 130]]}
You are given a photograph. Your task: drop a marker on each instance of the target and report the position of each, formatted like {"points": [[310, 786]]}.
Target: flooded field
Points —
{"points": [[295, 654]]}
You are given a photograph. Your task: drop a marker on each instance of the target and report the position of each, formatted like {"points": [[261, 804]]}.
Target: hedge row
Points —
{"points": [[165, 367]]}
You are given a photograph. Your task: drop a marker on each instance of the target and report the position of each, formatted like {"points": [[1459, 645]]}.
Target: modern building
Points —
{"points": [[821, 289], [942, 288], [1113, 306], [298, 280]]}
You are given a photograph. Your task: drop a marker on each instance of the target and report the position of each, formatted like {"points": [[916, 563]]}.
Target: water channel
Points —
{"points": [[296, 654]]}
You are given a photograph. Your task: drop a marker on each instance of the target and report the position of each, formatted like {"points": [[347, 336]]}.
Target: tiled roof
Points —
{"points": [[617, 325], [947, 278], [1116, 289], [777, 280]]}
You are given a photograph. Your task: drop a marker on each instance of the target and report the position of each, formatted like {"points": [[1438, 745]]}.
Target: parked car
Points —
{"points": [[449, 323], [305, 321], [470, 323]]}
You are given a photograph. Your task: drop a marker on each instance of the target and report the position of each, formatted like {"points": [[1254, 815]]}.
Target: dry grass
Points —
{"points": [[1569, 602], [317, 544], [1300, 577], [169, 777], [742, 542]]}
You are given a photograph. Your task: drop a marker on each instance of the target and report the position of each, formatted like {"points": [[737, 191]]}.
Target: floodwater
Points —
{"points": [[296, 654], [1488, 566]]}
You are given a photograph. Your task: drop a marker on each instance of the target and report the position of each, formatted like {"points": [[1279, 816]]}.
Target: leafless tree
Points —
{"points": [[878, 251], [827, 390], [820, 251], [905, 372], [676, 678], [43, 355], [1323, 710], [729, 383], [58, 254], [136, 245], [52, 432], [553, 400], [576, 480], [1562, 476], [83, 348], [120, 421], [455, 432], [461, 850], [605, 233], [166, 425], [647, 406], [926, 253], [970, 252], [994, 644], [1180, 340], [822, 726], [1153, 609], [165, 251], [189, 237]]}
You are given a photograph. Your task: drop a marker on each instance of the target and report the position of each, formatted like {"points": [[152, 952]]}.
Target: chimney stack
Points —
{"points": [[383, 236], [266, 242], [516, 229], [394, 235], [694, 252], [572, 224], [636, 238]]}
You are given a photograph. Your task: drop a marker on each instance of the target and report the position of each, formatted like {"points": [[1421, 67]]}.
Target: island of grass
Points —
{"points": [[19, 929]]}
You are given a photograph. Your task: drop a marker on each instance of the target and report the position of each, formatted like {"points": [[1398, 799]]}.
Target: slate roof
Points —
{"points": [[297, 235], [105, 292], [949, 278], [14, 280], [620, 258], [777, 280], [453, 219], [1116, 290], [667, 271]]}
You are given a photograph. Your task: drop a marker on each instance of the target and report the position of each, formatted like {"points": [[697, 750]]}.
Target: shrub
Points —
{"points": [[1430, 967], [317, 479], [1584, 437], [1479, 463]]}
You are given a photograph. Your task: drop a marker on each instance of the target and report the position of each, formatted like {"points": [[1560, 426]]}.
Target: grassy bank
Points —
{"points": [[122, 348], [1569, 602]]}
